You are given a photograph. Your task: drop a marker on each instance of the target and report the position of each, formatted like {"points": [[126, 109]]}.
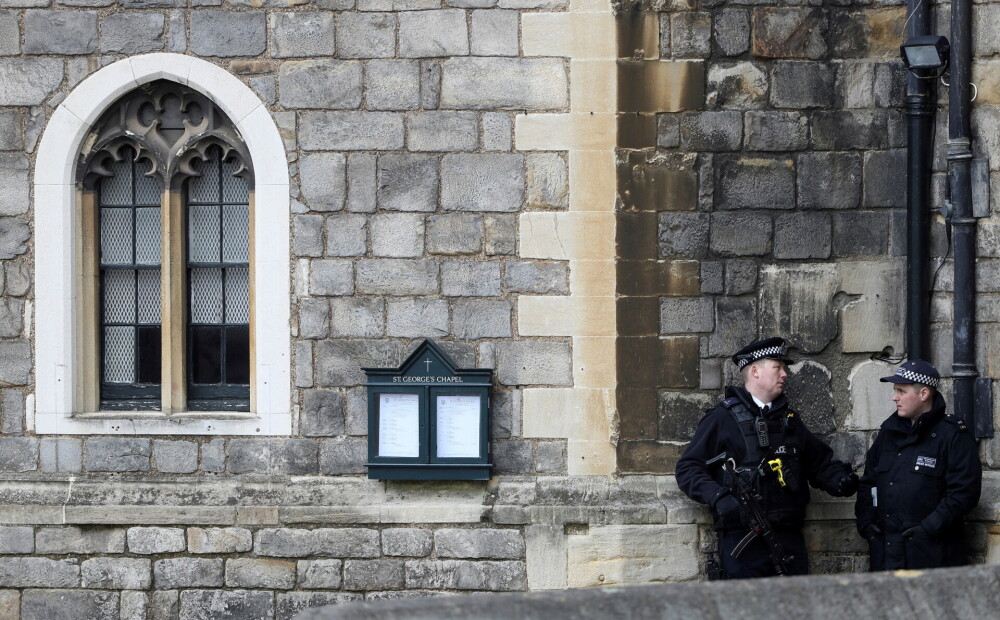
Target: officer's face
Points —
{"points": [[769, 376], [911, 400]]}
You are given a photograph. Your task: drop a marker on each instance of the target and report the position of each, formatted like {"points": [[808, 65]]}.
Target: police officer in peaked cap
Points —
{"points": [[922, 477], [757, 430]]}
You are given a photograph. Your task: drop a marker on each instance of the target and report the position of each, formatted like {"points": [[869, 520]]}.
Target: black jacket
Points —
{"points": [[925, 474], [806, 459]]}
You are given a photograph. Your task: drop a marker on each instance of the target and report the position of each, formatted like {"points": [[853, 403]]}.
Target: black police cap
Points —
{"points": [[768, 348], [915, 371]]}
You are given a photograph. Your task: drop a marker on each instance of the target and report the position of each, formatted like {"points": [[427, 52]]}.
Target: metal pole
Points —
{"points": [[964, 370]]}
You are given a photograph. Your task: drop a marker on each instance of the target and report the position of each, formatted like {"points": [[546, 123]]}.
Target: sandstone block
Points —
{"points": [[494, 33], [321, 179], [373, 574], [731, 28], [28, 81], [219, 540], [343, 455], [18, 454], [332, 277], [22, 572], [417, 318], [486, 544], [347, 235], [547, 178], [756, 183], [691, 34], [442, 131], [274, 456], [686, 315], [236, 603], [358, 317], [16, 539], [802, 84], [741, 234], [322, 413], [776, 131], [69, 604], [187, 573], [176, 457], [338, 362], [455, 233], [387, 276], [737, 85], [481, 318], [789, 32], [361, 182], [466, 575], [862, 233], [534, 362], [712, 131]]}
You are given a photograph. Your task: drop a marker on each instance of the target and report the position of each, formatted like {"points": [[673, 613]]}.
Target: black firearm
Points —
{"points": [[758, 523]]}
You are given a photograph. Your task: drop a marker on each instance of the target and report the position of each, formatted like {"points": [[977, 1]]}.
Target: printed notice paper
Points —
{"points": [[458, 426], [399, 425]]}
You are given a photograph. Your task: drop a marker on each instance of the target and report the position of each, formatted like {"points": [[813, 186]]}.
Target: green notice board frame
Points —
{"points": [[428, 419]]}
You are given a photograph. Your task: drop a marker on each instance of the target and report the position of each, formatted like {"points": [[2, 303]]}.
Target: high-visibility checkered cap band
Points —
{"points": [[915, 371], [916, 377], [753, 356]]}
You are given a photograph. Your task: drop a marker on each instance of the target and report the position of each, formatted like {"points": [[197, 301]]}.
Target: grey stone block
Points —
{"points": [[686, 315], [339, 362], [470, 279], [187, 573], [16, 539], [481, 318], [547, 181], [28, 81], [397, 235], [732, 31], [132, 33], [668, 130], [351, 131], [213, 456], [811, 384], [756, 183], [60, 32], [501, 235], [201, 604], [393, 276], [487, 544], [741, 276], [346, 235], [60, 454], [407, 541], [373, 574], [23, 572], [11, 321], [678, 414], [164, 605], [712, 131], [442, 131], [366, 35], [79, 541], [273, 456], [789, 33], [307, 233], [534, 362], [321, 179], [314, 318], [494, 33], [361, 182], [498, 131], [134, 606], [849, 129], [219, 540], [14, 180], [116, 573], [683, 235], [504, 420], [319, 574], [284, 542], [430, 84], [176, 457], [690, 34], [466, 575], [741, 234], [426, 34], [776, 131], [322, 413], [550, 457], [153, 540], [69, 604], [829, 180], [178, 32], [712, 279], [13, 412], [417, 318], [320, 83], [302, 34], [889, 87], [290, 604], [18, 279], [862, 233], [347, 542], [260, 573], [358, 317], [343, 455], [456, 233], [10, 34], [408, 182], [357, 411], [266, 87], [14, 235], [540, 278], [802, 235], [482, 182], [15, 362], [512, 457], [738, 85], [392, 85], [117, 454], [12, 124], [228, 33], [332, 277], [803, 84], [735, 325], [882, 173], [503, 83]]}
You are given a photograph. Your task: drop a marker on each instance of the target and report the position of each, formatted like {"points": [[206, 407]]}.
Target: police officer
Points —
{"points": [[922, 477], [773, 451]]}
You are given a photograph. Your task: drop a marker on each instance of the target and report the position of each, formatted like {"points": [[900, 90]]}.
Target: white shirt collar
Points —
{"points": [[759, 403]]}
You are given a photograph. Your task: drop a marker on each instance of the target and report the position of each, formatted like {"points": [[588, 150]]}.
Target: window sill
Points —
{"points": [[153, 423]]}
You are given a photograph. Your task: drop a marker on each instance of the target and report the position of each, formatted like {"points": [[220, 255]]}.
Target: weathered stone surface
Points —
{"points": [[22, 572], [213, 456], [76, 540], [397, 235], [164, 604], [13, 184], [350, 131], [849, 129], [683, 234], [366, 35], [801, 84], [187, 573], [776, 131], [871, 400], [15, 539], [390, 276], [18, 454], [343, 455], [219, 540], [416, 318], [809, 387], [60, 454], [797, 300], [407, 541], [860, 233], [347, 235], [339, 362], [176, 457], [737, 85], [10, 33], [828, 180], [712, 277], [327, 84], [116, 573], [430, 84], [314, 318], [373, 574], [731, 28], [11, 321], [118, 454], [455, 233], [789, 32], [153, 540], [132, 33], [882, 171], [331, 277], [494, 33], [536, 277], [686, 315], [11, 124], [442, 131], [18, 276], [260, 573], [322, 413], [741, 276], [408, 182], [290, 604], [14, 235], [210, 604], [534, 362], [802, 235], [691, 34], [498, 131], [322, 180], [470, 279], [424, 34], [60, 32], [466, 575], [678, 414], [302, 34], [392, 85], [472, 544], [712, 131], [319, 574], [504, 83], [361, 182], [358, 317], [482, 182], [69, 604], [307, 235], [756, 183], [227, 33], [134, 606], [281, 456], [740, 234], [501, 234], [481, 318], [668, 130], [873, 320], [735, 325], [632, 554], [512, 457], [27, 81], [547, 181], [550, 458]]}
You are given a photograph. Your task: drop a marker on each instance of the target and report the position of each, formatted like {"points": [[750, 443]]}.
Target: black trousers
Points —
{"points": [[755, 560]]}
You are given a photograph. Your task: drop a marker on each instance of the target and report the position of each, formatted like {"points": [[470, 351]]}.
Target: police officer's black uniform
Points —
{"points": [[921, 479], [731, 428]]}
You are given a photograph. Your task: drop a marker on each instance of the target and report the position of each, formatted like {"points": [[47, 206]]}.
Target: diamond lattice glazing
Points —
{"points": [[236, 234], [147, 236], [119, 296], [119, 354], [117, 189], [237, 296], [203, 233], [149, 297], [234, 189], [206, 296], [116, 236], [205, 188]]}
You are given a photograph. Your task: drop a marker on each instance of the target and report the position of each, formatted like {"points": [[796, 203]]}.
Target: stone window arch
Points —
{"points": [[187, 130]]}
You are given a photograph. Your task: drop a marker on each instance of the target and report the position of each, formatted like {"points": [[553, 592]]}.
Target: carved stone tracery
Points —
{"points": [[167, 125]]}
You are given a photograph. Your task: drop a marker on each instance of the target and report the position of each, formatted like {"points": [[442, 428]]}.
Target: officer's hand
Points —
{"points": [[871, 531], [727, 505], [848, 485], [917, 531]]}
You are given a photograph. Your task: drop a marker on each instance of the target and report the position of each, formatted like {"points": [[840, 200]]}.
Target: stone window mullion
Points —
{"points": [[173, 285]]}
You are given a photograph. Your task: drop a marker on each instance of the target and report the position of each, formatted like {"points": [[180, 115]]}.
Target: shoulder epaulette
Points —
{"points": [[957, 421], [729, 402]]}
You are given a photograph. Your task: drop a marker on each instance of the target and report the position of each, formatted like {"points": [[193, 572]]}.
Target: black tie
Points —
{"points": [[765, 409]]}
